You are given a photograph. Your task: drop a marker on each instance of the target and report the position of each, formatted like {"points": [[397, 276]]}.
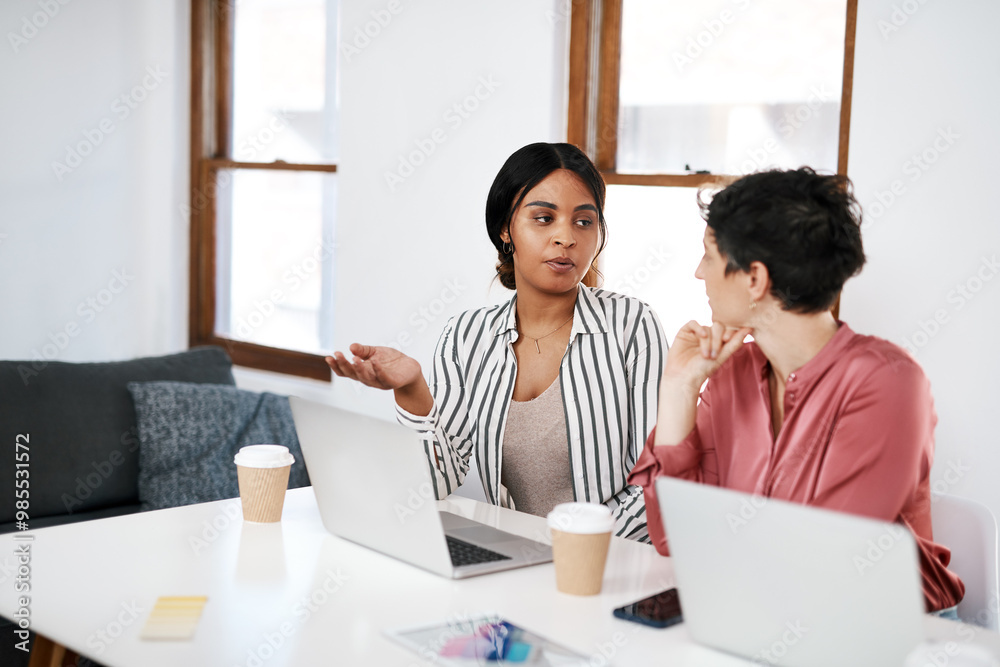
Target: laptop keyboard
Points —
{"points": [[463, 553]]}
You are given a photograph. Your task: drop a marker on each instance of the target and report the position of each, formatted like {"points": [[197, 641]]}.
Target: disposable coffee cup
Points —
{"points": [[263, 474], [581, 533]]}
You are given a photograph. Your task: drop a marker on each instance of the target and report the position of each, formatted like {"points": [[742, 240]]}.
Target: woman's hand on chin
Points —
{"points": [[698, 351], [376, 366]]}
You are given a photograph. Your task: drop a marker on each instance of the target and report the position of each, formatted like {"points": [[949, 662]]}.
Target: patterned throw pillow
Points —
{"points": [[189, 434]]}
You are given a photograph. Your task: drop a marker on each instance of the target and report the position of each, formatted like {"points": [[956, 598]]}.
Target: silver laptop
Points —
{"points": [[373, 487], [786, 584]]}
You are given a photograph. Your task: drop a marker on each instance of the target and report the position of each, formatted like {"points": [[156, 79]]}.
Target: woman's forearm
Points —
{"points": [[675, 416], [415, 398]]}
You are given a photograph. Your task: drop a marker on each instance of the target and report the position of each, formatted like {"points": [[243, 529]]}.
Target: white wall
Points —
{"points": [[408, 257], [412, 245], [63, 234], [60, 240], [412, 248], [928, 82]]}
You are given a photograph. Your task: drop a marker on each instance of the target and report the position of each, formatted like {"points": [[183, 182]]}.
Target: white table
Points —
{"points": [[292, 594]]}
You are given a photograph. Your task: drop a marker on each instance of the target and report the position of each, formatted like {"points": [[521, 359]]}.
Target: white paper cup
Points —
{"points": [[263, 471], [581, 533]]}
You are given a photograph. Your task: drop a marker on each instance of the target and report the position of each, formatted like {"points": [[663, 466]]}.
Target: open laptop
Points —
{"points": [[786, 584], [373, 487]]}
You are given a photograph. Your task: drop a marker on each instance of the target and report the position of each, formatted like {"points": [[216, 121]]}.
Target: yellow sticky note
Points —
{"points": [[174, 617]]}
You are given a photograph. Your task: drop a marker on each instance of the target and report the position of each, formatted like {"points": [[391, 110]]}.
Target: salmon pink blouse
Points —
{"points": [[857, 437]]}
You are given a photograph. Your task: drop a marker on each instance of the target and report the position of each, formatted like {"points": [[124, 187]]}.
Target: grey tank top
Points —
{"points": [[535, 467]]}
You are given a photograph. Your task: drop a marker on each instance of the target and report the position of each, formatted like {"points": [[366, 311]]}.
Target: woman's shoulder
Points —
{"points": [[871, 355], [493, 317], [615, 303], [602, 294]]}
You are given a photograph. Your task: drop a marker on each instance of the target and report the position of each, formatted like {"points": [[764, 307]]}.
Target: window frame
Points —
{"points": [[594, 69], [212, 26]]}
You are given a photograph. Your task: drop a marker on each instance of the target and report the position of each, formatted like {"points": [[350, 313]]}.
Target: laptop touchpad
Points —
{"points": [[481, 535]]}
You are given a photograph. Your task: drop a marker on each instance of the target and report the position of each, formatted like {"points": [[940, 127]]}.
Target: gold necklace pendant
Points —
{"points": [[538, 349]]}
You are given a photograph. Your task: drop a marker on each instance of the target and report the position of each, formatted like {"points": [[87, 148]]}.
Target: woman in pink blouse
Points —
{"points": [[809, 411]]}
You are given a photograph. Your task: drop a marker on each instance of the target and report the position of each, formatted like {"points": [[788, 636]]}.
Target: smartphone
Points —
{"points": [[660, 611]]}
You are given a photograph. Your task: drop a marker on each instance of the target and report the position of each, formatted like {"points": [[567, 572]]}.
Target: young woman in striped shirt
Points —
{"points": [[556, 389]]}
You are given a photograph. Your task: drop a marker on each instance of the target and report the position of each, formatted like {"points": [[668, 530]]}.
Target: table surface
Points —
{"points": [[292, 594]]}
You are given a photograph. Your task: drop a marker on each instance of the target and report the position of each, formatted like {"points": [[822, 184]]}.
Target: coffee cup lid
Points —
{"points": [[584, 518], [264, 456]]}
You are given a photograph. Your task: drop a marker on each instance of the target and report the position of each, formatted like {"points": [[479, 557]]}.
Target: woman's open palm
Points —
{"points": [[376, 366]]}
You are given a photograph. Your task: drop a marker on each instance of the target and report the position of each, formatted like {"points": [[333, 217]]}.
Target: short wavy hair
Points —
{"points": [[803, 226]]}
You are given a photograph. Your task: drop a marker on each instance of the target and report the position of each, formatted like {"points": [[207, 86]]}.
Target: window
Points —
{"points": [[668, 96], [263, 181]]}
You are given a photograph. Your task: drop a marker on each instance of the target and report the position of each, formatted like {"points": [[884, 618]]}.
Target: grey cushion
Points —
{"points": [[83, 445], [189, 434]]}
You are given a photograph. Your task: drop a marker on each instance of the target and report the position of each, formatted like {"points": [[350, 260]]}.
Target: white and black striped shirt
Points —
{"points": [[610, 378]]}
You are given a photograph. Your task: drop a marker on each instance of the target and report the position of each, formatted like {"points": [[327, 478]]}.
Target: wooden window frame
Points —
{"points": [[594, 68], [211, 151]]}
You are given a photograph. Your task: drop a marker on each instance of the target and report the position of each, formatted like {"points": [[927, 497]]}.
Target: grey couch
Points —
{"points": [[77, 425], [73, 429]]}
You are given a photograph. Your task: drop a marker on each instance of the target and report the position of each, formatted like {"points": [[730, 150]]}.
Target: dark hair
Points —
{"points": [[803, 226], [522, 171]]}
